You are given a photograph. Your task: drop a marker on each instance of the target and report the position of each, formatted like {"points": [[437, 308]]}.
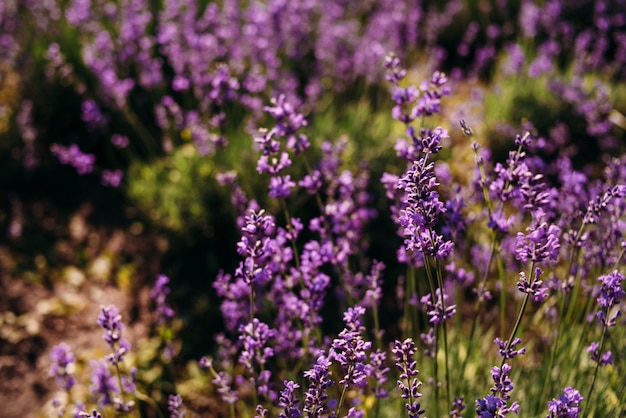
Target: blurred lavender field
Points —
{"points": [[312, 208]]}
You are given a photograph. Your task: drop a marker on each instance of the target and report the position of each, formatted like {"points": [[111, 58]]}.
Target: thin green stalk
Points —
{"points": [[595, 372], [436, 350], [445, 333], [150, 402], [470, 343], [343, 393], [518, 321], [561, 315]]}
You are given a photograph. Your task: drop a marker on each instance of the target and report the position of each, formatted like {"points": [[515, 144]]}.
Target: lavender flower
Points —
{"points": [[508, 352], [495, 405], [541, 243], [103, 384], [316, 396], [435, 311], [611, 295], [457, 407], [111, 321], [175, 406], [379, 373], [566, 405], [603, 359], [288, 401], [62, 366], [536, 288], [349, 350], [408, 382], [159, 294]]}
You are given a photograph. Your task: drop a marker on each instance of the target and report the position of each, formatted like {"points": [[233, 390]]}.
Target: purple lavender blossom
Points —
{"points": [[175, 406], [111, 321], [111, 178], [103, 384], [508, 351], [457, 407], [316, 396], [159, 294], [495, 405], [288, 401], [408, 382], [255, 337], [541, 243], [120, 141], [379, 372], [435, 311], [73, 156], [603, 359], [349, 350], [62, 366], [611, 295], [536, 289], [566, 405]]}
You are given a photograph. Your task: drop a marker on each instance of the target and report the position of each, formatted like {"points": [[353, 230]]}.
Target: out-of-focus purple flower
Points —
{"points": [[73, 156], [91, 113], [457, 407], [103, 384], [120, 141], [566, 405], [602, 359], [175, 406], [111, 321], [281, 186], [62, 366], [111, 178], [430, 342], [159, 294], [379, 372], [395, 72]]}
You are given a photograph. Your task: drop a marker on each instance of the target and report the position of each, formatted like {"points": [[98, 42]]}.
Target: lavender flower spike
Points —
{"points": [[111, 321], [408, 382], [62, 366], [175, 406], [566, 406]]}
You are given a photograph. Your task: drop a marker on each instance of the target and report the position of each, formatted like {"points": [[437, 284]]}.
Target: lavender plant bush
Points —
{"points": [[500, 288]]}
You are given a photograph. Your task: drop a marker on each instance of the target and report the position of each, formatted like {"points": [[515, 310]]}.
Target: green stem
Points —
{"points": [[470, 343], [595, 372], [518, 321], [436, 348], [343, 392], [445, 333], [151, 402]]}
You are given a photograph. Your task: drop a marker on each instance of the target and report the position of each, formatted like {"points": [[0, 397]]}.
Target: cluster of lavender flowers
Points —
{"points": [[113, 383], [527, 215], [536, 231], [195, 65]]}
